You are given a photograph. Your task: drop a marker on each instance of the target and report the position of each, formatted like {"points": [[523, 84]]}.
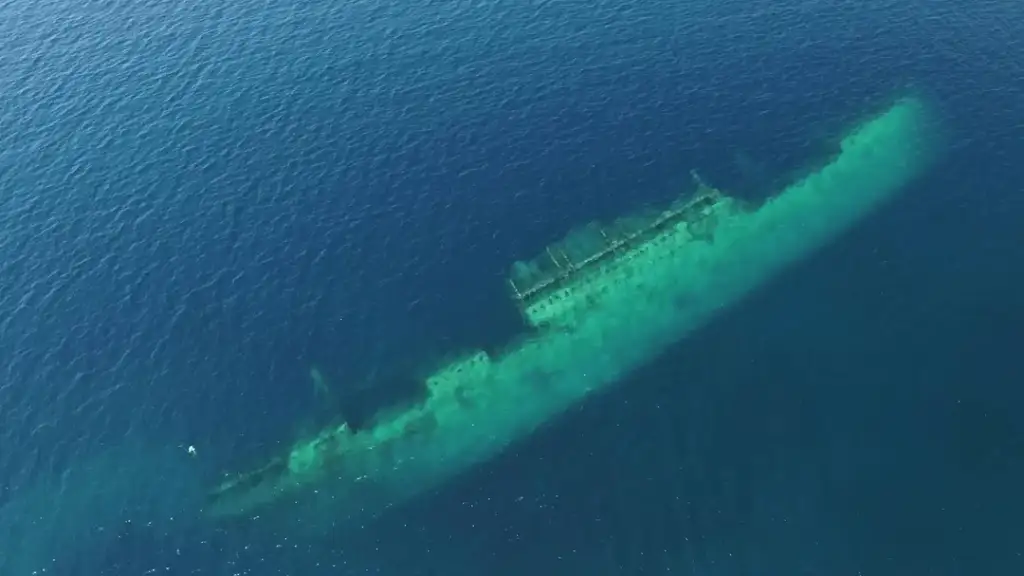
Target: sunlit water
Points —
{"points": [[199, 201]]}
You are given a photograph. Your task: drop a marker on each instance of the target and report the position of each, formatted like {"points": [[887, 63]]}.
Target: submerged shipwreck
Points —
{"points": [[599, 303]]}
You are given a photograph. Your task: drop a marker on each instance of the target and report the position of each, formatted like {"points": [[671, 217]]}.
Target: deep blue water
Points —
{"points": [[200, 200]]}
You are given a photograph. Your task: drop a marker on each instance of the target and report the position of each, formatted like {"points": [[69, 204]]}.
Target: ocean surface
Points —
{"points": [[200, 201]]}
